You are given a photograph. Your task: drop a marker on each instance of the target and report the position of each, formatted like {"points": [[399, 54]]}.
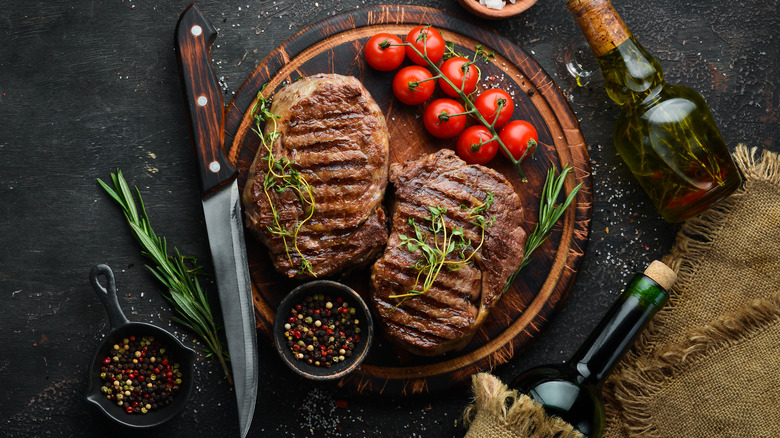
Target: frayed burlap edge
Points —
{"points": [[694, 238], [648, 376], [500, 411]]}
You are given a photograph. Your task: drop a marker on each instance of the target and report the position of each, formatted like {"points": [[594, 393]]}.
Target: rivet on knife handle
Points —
{"points": [[194, 37]]}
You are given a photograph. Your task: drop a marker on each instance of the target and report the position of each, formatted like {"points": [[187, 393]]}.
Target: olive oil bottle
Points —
{"points": [[664, 133], [572, 391]]}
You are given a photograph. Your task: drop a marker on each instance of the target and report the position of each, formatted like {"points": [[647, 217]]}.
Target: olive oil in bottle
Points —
{"points": [[572, 391], [664, 133]]}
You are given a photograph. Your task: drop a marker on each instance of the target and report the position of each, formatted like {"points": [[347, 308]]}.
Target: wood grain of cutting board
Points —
{"points": [[336, 46]]}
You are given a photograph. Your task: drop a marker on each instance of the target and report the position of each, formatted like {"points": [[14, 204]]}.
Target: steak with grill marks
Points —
{"points": [[337, 139], [446, 316]]}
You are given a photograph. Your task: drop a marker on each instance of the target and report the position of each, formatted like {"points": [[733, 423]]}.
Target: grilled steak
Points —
{"points": [[446, 315], [336, 139]]}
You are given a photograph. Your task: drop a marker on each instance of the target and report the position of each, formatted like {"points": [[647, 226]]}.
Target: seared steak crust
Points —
{"points": [[336, 135], [446, 316]]}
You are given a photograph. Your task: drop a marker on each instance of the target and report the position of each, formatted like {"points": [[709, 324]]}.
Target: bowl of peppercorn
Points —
{"points": [[141, 375], [323, 330]]}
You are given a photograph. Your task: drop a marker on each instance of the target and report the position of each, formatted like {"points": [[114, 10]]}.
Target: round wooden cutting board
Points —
{"points": [[336, 46]]}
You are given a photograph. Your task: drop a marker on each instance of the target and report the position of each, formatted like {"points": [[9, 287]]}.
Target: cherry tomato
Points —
{"points": [[464, 76], [518, 136], [409, 89], [470, 149], [439, 120], [428, 41], [385, 52], [487, 104]]}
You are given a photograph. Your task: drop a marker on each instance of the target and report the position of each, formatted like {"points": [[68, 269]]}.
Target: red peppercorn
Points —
{"points": [[129, 409], [132, 338], [321, 337], [107, 360]]}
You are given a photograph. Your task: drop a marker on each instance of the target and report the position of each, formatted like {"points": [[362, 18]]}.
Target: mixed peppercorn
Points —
{"points": [[322, 330], [139, 376]]}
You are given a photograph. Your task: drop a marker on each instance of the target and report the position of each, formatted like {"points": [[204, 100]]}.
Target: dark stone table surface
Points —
{"points": [[88, 87]]}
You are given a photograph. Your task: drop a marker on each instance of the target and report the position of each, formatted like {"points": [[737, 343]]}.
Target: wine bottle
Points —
{"points": [[572, 391], [664, 133]]}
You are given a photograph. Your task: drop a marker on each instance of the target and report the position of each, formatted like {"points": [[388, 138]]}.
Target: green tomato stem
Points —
{"points": [[472, 107]]}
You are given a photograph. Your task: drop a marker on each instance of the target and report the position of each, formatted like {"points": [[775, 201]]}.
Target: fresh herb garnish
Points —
{"points": [[484, 54], [549, 213], [176, 272], [446, 245], [280, 176]]}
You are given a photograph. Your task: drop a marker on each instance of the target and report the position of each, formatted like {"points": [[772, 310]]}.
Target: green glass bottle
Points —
{"points": [[572, 391], [664, 133]]}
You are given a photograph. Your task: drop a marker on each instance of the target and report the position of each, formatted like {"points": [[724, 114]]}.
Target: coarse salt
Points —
{"points": [[495, 4]]}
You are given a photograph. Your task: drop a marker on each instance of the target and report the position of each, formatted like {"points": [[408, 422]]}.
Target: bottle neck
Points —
{"points": [[630, 72], [601, 24], [616, 332]]}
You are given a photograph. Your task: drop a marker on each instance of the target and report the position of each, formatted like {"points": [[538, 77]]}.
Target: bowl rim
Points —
{"points": [[510, 10], [280, 343]]}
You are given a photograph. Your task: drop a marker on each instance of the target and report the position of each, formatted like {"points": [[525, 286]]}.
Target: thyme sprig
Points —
{"points": [[438, 254], [549, 213], [281, 175], [176, 272]]}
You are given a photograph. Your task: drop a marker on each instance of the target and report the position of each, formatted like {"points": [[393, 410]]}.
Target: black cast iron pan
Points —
{"points": [[122, 328]]}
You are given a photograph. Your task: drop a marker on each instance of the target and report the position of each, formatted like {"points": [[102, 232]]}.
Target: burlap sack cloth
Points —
{"points": [[709, 364]]}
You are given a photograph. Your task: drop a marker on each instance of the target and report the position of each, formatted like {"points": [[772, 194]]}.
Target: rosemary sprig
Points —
{"points": [[176, 272], [438, 255], [280, 176], [549, 213]]}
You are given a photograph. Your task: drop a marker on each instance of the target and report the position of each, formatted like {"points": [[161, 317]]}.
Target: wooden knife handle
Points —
{"points": [[194, 37]]}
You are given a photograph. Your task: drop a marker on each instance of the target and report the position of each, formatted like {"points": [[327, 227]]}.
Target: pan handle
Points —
{"points": [[108, 296]]}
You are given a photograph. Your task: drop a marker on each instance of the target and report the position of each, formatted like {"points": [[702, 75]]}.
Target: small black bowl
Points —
{"points": [[122, 328], [334, 289]]}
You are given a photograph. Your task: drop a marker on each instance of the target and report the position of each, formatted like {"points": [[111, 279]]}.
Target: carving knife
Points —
{"points": [[221, 204]]}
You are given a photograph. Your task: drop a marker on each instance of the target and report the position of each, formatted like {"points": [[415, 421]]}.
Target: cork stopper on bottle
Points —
{"points": [[661, 274], [600, 24]]}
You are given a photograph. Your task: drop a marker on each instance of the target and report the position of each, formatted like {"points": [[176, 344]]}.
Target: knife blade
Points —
{"points": [[221, 208]]}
